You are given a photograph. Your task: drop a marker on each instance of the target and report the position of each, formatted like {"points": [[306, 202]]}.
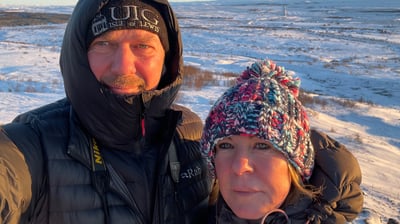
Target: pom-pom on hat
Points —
{"points": [[128, 14], [262, 103]]}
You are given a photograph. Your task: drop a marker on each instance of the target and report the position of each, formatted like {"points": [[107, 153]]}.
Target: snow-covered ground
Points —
{"points": [[342, 50]]}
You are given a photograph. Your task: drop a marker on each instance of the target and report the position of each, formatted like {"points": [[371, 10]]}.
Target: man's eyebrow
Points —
{"points": [[106, 34], [141, 36], [148, 37]]}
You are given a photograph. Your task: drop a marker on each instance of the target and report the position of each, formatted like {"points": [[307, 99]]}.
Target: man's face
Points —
{"points": [[127, 61]]}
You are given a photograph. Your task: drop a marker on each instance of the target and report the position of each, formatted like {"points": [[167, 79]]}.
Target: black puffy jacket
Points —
{"points": [[53, 179]]}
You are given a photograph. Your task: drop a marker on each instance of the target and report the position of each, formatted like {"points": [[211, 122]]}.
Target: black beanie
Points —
{"points": [[128, 14]]}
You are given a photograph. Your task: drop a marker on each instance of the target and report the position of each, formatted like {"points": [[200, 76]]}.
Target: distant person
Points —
{"points": [[116, 150], [267, 164]]}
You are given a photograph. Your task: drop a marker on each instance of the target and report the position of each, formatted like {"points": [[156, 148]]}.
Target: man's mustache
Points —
{"points": [[124, 81]]}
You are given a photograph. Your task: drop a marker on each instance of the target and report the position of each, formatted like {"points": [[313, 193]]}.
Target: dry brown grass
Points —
{"points": [[197, 78], [10, 18]]}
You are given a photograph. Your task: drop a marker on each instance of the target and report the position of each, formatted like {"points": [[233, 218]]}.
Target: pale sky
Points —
{"points": [[53, 2], [38, 2]]}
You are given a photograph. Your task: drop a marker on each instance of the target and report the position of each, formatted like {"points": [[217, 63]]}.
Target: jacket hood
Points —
{"points": [[115, 121]]}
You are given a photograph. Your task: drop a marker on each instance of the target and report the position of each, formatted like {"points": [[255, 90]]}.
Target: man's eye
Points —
{"points": [[104, 43], [101, 46], [142, 46], [101, 43]]}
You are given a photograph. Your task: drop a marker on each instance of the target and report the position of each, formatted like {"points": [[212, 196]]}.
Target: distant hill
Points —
{"points": [[19, 18]]}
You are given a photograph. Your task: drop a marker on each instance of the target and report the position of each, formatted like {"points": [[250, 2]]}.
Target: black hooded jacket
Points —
{"points": [[106, 116], [96, 157]]}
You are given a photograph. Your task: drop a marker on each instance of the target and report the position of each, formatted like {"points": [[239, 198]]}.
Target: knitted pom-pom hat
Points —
{"points": [[263, 103]]}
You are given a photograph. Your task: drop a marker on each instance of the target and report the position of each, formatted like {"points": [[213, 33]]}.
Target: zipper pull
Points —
{"points": [[143, 127]]}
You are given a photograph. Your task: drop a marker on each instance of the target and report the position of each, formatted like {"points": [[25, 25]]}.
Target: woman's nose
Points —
{"points": [[241, 165], [124, 61]]}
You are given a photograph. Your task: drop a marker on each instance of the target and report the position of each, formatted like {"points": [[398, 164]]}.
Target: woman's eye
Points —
{"points": [[262, 146], [224, 145]]}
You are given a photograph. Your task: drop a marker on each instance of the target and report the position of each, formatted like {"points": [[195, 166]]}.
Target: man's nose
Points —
{"points": [[124, 61]]}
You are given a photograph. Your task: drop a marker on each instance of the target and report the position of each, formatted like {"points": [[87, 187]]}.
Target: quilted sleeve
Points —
{"points": [[15, 179], [339, 174]]}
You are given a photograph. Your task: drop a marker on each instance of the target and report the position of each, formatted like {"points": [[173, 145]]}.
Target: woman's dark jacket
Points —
{"points": [[339, 174], [96, 157]]}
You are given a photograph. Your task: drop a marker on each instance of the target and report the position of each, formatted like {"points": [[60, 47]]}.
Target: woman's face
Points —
{"points": [[253, 176]]}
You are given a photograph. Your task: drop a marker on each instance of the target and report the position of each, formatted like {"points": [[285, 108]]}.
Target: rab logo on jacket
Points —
{"points": [[190, 173]]}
